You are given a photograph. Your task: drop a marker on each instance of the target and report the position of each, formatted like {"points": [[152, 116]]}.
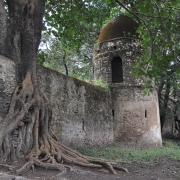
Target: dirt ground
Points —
{"points": [[163, 169]]}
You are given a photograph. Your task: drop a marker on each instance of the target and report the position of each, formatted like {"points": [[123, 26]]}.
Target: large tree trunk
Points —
{"points": [[165, 103], [29, 111], [21, 32]]}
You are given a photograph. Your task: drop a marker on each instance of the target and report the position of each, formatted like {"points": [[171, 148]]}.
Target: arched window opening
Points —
{"points": [[117, 71], [113, 112], [145, 113]]}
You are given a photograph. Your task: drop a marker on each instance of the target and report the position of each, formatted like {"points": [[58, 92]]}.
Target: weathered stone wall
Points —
{"points": [[136, 117], [7, 84], [82, 113], [127, 50]]}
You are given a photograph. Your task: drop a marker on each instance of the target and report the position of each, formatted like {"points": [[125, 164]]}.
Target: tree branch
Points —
{"points": [[157, 17], [137, 17]]}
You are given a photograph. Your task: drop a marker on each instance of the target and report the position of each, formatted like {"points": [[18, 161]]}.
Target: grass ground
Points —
{"points": [[169, 148], [162, 163]]}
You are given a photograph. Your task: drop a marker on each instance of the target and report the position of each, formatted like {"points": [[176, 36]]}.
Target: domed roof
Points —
{"points": [[121, 26]]}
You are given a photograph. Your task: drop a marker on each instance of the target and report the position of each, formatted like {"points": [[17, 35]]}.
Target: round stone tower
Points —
{"points": [[136, 117]]}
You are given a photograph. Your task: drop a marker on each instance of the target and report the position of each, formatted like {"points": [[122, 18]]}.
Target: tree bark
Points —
{"points": [[64, 63], [165, 103], [3, 28]]}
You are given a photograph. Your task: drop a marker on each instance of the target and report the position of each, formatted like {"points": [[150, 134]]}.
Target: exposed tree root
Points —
{"points": [[10, 167], [54, 155], [121, 169], [46, 151]]}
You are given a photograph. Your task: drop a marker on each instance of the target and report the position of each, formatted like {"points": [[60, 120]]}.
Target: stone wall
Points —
{"points": [[82, 113], [136, 117]]}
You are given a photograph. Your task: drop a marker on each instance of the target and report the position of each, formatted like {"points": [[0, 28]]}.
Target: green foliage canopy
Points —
{"points": [[78, 22], [159, 35], [75, 21], [73, 28]]}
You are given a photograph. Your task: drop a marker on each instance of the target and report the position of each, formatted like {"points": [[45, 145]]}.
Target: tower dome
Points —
{"points": [[121, 26]]}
